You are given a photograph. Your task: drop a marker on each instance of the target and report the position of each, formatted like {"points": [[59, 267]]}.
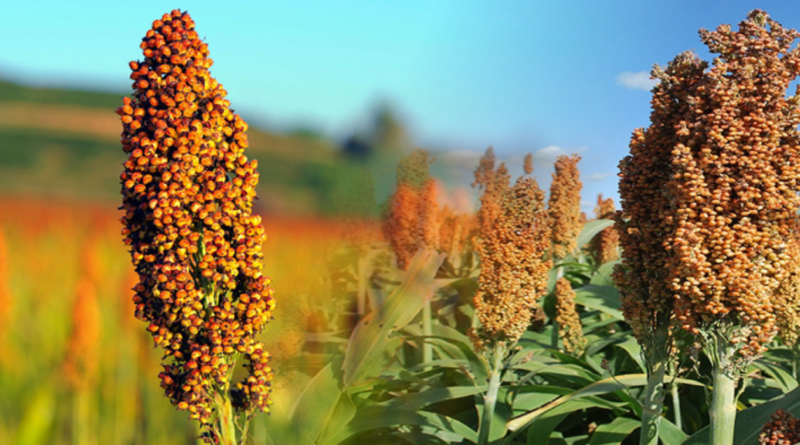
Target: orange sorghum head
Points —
{"points": [[647, 214], [81, 358], [570, 329], [495, 185], [401, 224], [188, 192], [787, 295], [709, 188], [514, 240], [528, 164], [429, 219], [564, 206], [605, 244], [782, 429], [413, 218]]}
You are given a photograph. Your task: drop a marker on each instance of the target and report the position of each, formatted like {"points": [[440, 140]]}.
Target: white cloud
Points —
{"points": [[548, 155], [597, 176], [636, 81]]}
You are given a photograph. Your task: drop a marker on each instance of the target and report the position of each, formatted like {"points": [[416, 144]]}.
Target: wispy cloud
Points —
{"points": [[548, 155], [597, 176], [636, 81]]}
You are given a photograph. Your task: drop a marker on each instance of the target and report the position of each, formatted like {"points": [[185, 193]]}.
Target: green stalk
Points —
{"points": [[657, 356], [490, 399], [80, 416], [653, 404], [227, 426], [427, 331], [676, 404], [723, 394]]}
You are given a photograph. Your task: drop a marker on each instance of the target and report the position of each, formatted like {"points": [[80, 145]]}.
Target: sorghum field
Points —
{"points": [[189, 311]]}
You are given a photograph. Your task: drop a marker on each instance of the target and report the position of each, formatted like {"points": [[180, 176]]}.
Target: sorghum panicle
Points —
{"points": [[188, 192], [429, 218], [512, 247], [648, 215], [782, 429], [735, 168], [570, 330], [528, 164], [456, 231], [401, 224], [605, 244], [413, 219], [787, 295], [564, 206]]}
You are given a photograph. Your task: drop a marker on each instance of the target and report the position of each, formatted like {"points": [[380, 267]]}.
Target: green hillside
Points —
{"points": [[65, 143]]}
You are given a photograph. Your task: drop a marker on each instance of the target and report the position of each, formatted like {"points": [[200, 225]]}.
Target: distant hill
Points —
{"points": [[65, 143]]}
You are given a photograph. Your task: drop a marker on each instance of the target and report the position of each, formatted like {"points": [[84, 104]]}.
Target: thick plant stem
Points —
{"points": [[490, 399], [723, 404], [657, 357], [227, 426]]}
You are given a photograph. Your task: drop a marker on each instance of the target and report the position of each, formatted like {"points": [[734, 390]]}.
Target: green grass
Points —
{"points": [[11, 92], [299, 174]]}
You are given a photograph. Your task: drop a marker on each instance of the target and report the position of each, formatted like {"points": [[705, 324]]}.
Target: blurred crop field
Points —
{"points": [[48, 248], [60, 161]]}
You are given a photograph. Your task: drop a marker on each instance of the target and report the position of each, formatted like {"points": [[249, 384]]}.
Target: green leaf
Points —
{"points": [[600, 298], [344, 412], [316, 406], [420, 400], [367, 349], [631, 346], [600, 387], [750, 421], [783, 378], [380, 417], [591, 229], [670, 434], [614, 432], [602, 276], [37, 420]]}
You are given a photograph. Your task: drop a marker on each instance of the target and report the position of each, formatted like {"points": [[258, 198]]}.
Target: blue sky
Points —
{"points": [[524, 76]]}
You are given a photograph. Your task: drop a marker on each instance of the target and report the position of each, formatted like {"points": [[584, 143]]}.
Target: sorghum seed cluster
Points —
{"points": [[188, 192], [564, 206], [514, 240]]}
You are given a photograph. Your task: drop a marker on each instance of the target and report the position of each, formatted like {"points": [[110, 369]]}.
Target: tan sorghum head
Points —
{"points": [[708, 191], [564, 206], [514, 240], [570, 330]]}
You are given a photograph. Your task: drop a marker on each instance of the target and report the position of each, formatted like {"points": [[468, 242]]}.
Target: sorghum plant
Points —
{"points": [[188, 192], [514, 240], [709, 202], [564, 206]]}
